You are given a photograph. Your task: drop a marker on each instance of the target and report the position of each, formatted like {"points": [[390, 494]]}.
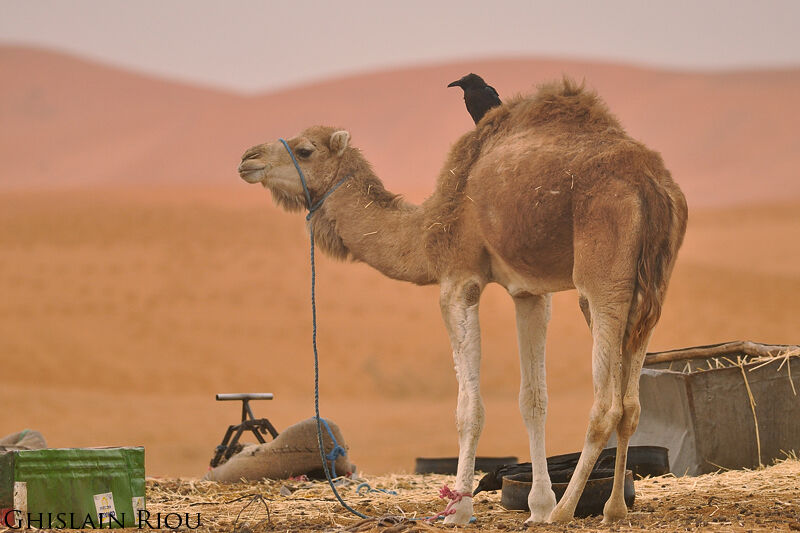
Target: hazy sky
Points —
{"points": [[251, 45]]}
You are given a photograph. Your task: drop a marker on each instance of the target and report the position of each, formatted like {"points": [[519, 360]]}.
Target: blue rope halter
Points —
{"points": [[311, 207]]}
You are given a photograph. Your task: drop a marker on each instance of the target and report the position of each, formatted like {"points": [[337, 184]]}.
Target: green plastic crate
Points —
{"points": [[72, 488]]}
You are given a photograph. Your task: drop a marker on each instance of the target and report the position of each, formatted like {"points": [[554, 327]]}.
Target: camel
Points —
{"points": [[547, 193]]}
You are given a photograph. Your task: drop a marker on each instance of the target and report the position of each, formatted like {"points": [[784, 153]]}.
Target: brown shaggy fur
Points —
{"points": [[579, 148]]}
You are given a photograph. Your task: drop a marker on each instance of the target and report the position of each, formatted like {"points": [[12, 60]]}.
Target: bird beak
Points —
{"points": [[456, 83]]}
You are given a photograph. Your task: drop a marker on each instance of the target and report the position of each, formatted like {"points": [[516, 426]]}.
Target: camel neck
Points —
{"points": [[371, 227]]}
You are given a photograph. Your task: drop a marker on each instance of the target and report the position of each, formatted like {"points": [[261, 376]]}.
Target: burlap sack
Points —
{"points": [[295, 452], [27, 439]]}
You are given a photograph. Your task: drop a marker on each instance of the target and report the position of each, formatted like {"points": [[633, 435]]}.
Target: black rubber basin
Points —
{"points": [[642, 460], [448, 465], [517, 487]]}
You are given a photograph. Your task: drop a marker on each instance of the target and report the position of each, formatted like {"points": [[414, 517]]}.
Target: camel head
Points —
{"points": [[319, 151]]}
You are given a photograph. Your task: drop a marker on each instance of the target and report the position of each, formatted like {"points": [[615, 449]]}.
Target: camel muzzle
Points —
{"points": [[252, 171]]}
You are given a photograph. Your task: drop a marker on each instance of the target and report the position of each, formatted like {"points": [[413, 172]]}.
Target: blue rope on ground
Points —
{"points": [[367, 486]]}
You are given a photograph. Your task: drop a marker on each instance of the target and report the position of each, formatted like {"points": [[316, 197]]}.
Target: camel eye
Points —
{"points": [[303, 152]]}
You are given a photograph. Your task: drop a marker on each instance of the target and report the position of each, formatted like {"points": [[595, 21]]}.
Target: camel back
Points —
{"points": [[578, 120], [556, 107]]}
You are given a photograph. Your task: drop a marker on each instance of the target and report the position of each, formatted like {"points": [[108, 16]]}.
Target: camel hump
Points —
{"points": [[553, 107]]}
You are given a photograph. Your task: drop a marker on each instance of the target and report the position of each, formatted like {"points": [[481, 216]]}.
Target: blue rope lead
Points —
{"points": [[311, 209], [336, 448], [316, 388]]}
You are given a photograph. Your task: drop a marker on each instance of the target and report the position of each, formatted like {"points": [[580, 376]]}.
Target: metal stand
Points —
{"points": [[258, 426]]}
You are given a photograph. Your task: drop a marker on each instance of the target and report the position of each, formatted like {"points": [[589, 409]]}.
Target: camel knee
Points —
{"points": [[602, 421], [471, 424], [470, 417], [631, 409]]}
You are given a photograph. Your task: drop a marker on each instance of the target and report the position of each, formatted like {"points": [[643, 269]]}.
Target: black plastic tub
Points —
{"points": [[448, 465], [517, 487], [643, 461]]}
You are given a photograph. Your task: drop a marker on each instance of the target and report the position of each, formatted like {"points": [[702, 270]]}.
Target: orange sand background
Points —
{"points": [[139, 275]]}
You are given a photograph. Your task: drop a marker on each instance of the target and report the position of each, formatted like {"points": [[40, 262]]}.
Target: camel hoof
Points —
{"points": [[457, 520], [462, 515], [541, 502], [536, 519], [613, 513], [560, 515]]}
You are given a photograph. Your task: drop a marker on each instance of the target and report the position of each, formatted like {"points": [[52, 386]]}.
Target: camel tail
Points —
{"points": [[664, 215]]}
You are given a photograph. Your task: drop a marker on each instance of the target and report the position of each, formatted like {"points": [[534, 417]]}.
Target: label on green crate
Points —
{"points": [[137, 502], [21, 501], [104, 503]]}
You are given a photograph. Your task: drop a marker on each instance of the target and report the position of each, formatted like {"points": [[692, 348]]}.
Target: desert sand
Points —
{"points": [[140, 276]]}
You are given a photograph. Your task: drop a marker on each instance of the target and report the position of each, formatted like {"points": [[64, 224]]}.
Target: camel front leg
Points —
{"points": [[533, 314], [459, 302]]}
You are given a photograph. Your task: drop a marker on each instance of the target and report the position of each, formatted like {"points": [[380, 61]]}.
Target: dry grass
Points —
{"points": [[750, 362], [767, 499]]}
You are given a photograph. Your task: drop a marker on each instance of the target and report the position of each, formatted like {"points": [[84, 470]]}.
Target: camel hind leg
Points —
{"points": [[615, 508], [606, 251], [661, 238], [608, 327]]}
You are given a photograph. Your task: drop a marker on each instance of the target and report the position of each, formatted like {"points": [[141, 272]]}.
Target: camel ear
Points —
{"points": [[339, 141]]}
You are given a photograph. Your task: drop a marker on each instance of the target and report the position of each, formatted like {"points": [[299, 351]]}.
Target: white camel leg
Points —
{"points": [[533, 314], [459, 303], [615, 508], [608, 325]]}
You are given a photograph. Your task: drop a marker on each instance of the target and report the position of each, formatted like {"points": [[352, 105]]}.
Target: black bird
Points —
{"points": [[478, 96]]}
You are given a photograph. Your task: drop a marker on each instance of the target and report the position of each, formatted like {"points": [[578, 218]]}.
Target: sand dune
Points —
{"points": [[140, 276], [727, 138]]}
